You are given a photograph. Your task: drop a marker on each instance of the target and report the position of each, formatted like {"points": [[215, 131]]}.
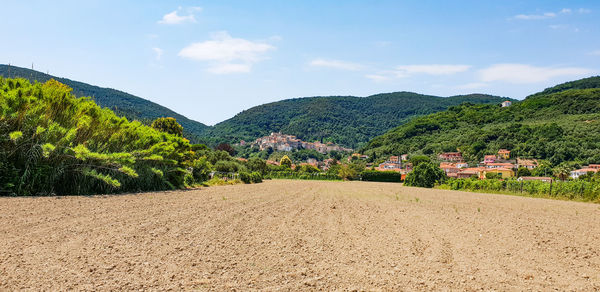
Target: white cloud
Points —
{"points": [[175, 18], [522, 73], [432, 69], [548, 15], [405, 71], [535, 16], [557, 26], [566, 10], [227, 54], [158, 52], [595, 53], [335, 64], [584, 10]]}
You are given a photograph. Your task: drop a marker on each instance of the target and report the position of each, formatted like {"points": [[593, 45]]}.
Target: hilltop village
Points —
{"points": [[282, 142]]}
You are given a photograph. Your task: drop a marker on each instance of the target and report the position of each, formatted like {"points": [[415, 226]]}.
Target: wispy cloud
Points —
{"points": [[158, 52], [226, 54], [405, 71], [523, 74], [335, 64], [557, 26], [566, 10], [584, 10], [595, 53], [535, 16], [175, 17], [431, 69], [548, 15]]}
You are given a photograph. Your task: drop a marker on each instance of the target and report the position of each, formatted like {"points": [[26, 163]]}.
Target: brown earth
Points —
{"points": [[299, 235]]}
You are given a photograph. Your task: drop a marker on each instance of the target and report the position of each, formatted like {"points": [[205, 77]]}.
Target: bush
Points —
{"points": [[52, 142], [426, 175], [245, 177], [381, 176], [256, 177], [168, 125]]}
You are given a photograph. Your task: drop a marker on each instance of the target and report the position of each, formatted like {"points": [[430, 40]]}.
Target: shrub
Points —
{"points": [[52, 142], [245, 177], [168, 125], [256, 177], [426, 175], [382, 176]]}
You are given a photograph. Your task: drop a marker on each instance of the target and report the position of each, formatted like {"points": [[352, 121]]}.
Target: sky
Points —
{"points": [[210, 60]]}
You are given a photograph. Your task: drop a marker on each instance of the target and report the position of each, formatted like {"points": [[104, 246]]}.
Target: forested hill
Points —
{"points": [[559, 124], [346, 120], [130, 106]]}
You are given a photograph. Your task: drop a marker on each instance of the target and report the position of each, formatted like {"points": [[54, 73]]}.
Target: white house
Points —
{"points": [[579, 172], [506, 103]]}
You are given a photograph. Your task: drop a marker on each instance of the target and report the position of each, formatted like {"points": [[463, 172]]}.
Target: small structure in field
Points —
{"points": [[537, 178]]}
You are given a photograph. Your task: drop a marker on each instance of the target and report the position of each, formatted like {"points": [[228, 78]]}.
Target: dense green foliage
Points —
{"points": [[382, 176], [345, 120], [426, 175], [582, 190], [252, 177], [560, 125], [168, 125], [130, 106], [52, 142], [302, 176]]}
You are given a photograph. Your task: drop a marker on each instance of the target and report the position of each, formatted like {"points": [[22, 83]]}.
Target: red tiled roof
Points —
{"points": [[586, 170]]}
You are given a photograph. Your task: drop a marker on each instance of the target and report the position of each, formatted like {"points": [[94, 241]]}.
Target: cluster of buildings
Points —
{"points": [[282, 142], [575, 174], [499, 164]]}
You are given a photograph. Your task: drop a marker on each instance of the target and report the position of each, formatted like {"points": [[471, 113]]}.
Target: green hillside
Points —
{"points": [[560, 124], [347, 120], [130, 106]]}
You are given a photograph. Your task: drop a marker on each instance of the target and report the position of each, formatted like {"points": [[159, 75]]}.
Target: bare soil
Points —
{"points": [[299, 235]]}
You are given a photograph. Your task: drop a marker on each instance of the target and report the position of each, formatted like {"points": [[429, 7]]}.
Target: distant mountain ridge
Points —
{"points": [[345, 120], [559, 124], [122, 103]]}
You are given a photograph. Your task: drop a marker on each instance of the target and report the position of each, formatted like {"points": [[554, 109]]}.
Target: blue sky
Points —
{"points": [[210, 60]]}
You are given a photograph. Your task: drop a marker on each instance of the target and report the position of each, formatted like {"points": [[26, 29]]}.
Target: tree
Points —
{"points": [[426, 174], [346, 172], [257, 164], [522, 171], [307, 168], [544, 169], [562, 171], [418, 159], [226, 147], [168, 125], [492, 175], [285, 161]]}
